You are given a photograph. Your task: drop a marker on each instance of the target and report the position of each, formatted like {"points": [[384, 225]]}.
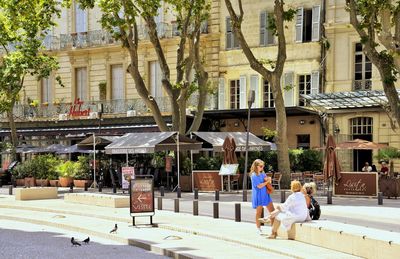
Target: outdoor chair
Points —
{"points": [[296, 176], [234, 181], [319, 180], [308, 177], [276, 181]]}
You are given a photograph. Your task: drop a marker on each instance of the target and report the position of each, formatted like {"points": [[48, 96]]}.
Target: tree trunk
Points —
{"points": [[13, 131]]}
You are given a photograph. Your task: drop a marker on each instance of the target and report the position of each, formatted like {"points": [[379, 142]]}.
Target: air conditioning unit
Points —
{"points": [[62, 116], [131, 113], [93, 115]]}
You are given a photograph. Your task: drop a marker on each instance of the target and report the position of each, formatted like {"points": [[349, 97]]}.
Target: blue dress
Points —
{"points": [[259, 197]]}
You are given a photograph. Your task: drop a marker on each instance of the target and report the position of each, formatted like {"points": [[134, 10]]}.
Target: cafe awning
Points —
{"points": [[150, 142], [98, 141], [216, 139]]}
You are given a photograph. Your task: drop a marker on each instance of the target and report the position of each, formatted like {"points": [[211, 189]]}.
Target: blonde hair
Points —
{"points": [[256, 163], [311, 186], [295, 186]]}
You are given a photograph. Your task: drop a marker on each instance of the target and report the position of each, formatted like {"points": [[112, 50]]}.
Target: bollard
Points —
{"points": [[10, 190], [195, 208], [244, 195], [86, 186], [238, 217], [283, 196], [162, 191], [71, 188], [380, 198], [159, 203], [196, 194], [114, 188], [178, 192], [217, 195], [329, 198], [176, 205], [100, 187], [215, 210], [1, 183]]}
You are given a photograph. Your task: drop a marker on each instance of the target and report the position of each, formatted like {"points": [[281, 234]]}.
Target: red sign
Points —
{"points": [[357, 184], [76, 110], [142, 196]]}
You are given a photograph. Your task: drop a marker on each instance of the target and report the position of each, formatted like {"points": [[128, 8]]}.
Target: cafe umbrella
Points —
{"points": [[332, 167], [229, 147]]}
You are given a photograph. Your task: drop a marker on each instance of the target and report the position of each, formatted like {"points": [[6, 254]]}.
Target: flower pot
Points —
{"points": [[30, 181], [81, 183], [65, 181], [186, 183], [42, 182], [20, 182], [54, 183]]}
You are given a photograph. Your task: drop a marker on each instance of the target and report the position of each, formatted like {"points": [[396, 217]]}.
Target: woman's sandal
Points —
{"points": [[265, 220], [273, 235]]}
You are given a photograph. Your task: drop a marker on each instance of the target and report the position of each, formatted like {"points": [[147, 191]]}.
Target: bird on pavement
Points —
{"points": [[86, 241], [114, 230], [74, 243]]}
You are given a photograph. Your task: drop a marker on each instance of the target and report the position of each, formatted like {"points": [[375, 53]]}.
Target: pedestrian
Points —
{"points": [[366, 168], [259, 195], [293, 210], [312, 205]]}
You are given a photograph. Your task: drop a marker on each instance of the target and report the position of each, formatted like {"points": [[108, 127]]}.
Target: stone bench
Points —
{"points": [[104, 200], [351, 239], [36, 193]]}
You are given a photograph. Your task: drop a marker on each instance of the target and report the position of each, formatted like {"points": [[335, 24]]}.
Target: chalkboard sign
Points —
{"points": [[141, 195]]}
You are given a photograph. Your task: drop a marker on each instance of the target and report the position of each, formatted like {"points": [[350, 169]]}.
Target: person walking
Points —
{"points": [[259, 195]]}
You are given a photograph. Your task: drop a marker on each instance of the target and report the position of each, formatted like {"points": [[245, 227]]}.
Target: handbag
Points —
{"points": [[270, 188]]}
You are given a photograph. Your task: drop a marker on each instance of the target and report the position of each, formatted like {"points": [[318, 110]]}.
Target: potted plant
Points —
{"points": [[66, 171], [19, 174], [82, 174], [103, 90], [45, 169], [186, 175]]}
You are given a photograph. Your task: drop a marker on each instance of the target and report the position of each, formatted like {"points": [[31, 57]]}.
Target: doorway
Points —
{"points": [[361, 128]]}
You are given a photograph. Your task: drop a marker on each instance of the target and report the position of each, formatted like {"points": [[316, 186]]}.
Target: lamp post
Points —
{"points": [[100, 113], [250, 102]]}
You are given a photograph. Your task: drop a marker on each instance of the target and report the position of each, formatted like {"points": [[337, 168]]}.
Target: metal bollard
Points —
{"points": [[114, 188], [159, 203], [329, 198], [380, 198], [178, 192], [238, 216], [10, 190], [216, 195], [86, 186], [215, 210], [283, 196], [176, 205], [196, 194], [162, 191], [71, 188], [195, 208], [244, 195], [100, 187]]}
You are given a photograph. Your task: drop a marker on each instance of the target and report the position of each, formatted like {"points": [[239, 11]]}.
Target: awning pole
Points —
{"points": [[191, 164], [94, 184], [177, 141]]}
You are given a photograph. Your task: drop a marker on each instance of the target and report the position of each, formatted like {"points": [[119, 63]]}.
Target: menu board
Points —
{"points": [[142, 195], [128, 173], [357, 184]]}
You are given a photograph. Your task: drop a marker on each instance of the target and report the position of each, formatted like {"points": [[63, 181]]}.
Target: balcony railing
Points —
{"points": [[361, 85], [116, 108]]}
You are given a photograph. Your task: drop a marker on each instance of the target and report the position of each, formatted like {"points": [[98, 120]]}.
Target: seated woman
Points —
{"points": [[384, 170], [293, 210], [313, 206]]}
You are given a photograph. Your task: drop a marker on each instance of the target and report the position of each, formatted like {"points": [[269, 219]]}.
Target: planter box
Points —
{"points": [[42, 182], [30, 181], [390, 187], [207, 180], [20, 182], [54, 183], [65, 181], [81, 183]]}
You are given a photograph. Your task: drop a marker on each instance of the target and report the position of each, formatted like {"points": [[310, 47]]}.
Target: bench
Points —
{"points": [[36, 193], [103, 200], [351, 239]]}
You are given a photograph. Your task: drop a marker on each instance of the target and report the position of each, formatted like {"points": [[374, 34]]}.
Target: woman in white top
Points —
{"points": [[293, 210]]}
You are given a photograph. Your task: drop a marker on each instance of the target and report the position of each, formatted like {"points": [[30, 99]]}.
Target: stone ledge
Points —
{"points": [[103, 200], [36, 193], [355, 240]]}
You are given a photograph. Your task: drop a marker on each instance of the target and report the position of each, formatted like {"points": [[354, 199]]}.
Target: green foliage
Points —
{"points": [[158, 160], [310, 160], [207, 163], [66, 169], [41, 167], [388, 154], [186, 166], [82, 168], [269, 133]]}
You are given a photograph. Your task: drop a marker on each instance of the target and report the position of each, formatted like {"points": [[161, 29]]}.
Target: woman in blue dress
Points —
{"points": [[260, 197]]}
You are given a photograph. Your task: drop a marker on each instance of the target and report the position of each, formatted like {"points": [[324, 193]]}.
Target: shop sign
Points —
{"points": [[76, 109], [357, 184]]}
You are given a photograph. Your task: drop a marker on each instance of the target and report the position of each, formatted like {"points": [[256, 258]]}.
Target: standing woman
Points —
{"points": [[259, 196]]}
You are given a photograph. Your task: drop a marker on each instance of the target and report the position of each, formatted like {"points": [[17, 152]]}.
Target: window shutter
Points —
{"points": [[158, 86], [263, 28], [80, 19], [228, 33], [315, 23], [243, 93], [117, 82], [315, 82], [299, 24], [221, 94], [288, 94], [269, 34], [254, 85]]}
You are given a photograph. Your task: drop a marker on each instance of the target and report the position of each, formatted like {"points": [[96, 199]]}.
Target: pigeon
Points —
{"points": [[86, 241], [74, 243], [114, 230]]}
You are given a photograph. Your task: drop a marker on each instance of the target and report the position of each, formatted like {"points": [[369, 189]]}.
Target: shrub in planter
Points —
{"points": [[66, 171], [19, 173], [82, 172]]}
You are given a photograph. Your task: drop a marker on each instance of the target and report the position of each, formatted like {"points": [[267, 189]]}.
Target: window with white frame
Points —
{"points": [[362, 70], [47, 90], [308, 24], [268, 96], [117, 82], [81, 83], [266, 35], [231, 40], [361, 126], [235, 94], [155, 76], [304, 88], [80, 19]]}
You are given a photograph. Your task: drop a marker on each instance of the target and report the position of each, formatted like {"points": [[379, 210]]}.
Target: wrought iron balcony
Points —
{"points": [[56, 111], [362, 85]]}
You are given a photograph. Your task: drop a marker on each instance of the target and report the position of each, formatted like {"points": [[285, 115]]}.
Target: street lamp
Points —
{"points": [[100, 114], [250, 102]]}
